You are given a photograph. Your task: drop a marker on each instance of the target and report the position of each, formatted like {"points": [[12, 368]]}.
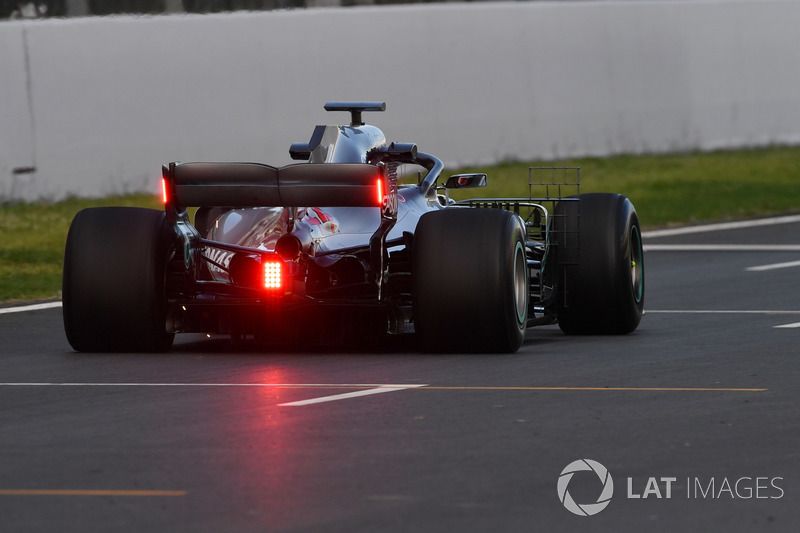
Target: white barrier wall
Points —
{"points": [[94, 106]]}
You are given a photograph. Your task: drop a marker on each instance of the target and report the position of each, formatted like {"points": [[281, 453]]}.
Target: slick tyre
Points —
{"points": [[470, 281], [113, 283], [600, 265]]}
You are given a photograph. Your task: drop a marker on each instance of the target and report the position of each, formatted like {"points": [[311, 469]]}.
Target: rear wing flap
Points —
{"points": [[259, 185]]}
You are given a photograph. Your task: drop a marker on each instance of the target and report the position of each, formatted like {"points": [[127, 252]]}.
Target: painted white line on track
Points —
{"points": [[274, 385], [33, 307], [774, 266], [368, 389], [793, 325], [742, 224], [723, 312], [90, 492], [722, 247], [346, 395]]}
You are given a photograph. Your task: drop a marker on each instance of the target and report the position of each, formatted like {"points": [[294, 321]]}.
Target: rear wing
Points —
{"points": [[259, 185]]}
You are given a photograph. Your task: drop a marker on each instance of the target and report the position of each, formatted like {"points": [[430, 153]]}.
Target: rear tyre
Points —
{"points": [[113, 284], [470, 281], [600, 264]]}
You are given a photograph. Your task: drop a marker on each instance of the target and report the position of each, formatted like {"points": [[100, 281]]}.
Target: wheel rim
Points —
{"points": [[637, 265], [520, 283]]}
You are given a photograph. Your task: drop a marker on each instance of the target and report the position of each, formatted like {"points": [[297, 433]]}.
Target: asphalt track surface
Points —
{"points": [[202, 439]]}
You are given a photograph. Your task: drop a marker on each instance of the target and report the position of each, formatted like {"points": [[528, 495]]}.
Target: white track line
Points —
{"points": [[346, 395], [368, 389], [671, 232], [34, 307], [722, 247], [762, 268], [275, 385], [729, 312], [722, 312]]}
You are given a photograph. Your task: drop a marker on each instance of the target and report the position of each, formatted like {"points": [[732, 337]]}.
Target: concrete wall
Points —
{"points": [[96, 105]]}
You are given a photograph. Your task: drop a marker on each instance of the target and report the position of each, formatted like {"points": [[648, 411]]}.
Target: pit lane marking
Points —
{"points": [[730, 312], [273, 385], [390, 388], [721, 248], [33, 307], [773, 266], [368, 389], [743, 224], [378, 390], [724, 311], [68, 492]]}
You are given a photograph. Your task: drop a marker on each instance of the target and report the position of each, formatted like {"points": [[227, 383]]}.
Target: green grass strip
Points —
{"points": [[32, 243], [677, 189]]}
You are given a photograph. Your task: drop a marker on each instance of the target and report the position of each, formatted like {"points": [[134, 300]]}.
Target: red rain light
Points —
{"points": [[379, 186], [273, 278], [164, 191]]}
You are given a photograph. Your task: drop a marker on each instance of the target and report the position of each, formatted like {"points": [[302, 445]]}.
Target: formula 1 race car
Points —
{"points": [[357, 242]]}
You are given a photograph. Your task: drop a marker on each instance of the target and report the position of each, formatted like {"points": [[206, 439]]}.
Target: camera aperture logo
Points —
{"points": [[585, 509]]}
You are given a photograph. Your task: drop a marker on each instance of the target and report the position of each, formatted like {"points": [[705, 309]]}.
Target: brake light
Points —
{"points": [[273, 278], [380, 192], [258, 271]]}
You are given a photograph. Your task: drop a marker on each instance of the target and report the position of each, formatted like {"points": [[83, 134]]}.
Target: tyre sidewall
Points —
{"points": [[463, 280], [596, 292], [114, 280]]}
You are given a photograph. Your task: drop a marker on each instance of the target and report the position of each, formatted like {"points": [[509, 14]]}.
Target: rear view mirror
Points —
{"points": [[466, 181]]}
